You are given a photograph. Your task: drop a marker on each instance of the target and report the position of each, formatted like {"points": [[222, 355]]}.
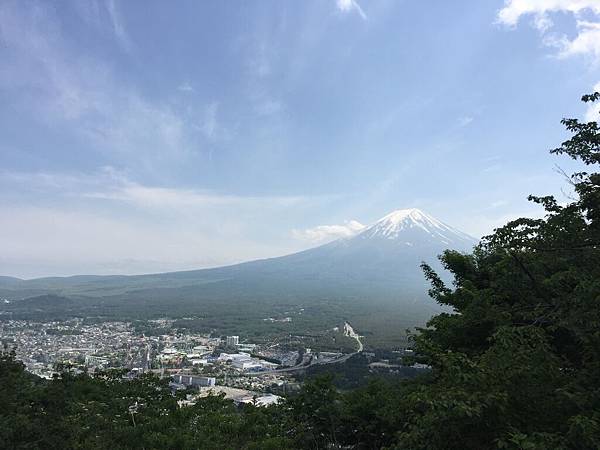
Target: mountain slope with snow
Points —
{"points": [[387, 253], [380, 263], [414, 227]]}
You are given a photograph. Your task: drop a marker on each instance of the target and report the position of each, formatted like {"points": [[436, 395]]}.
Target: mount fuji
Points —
{"points": [[379, 264], [389, 252]]}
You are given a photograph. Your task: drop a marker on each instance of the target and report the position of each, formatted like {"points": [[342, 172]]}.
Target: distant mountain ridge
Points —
{"points": [[401, 236], [379, 263]]}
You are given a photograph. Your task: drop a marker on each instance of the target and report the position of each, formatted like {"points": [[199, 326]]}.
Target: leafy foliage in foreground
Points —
{"points": [[517, 366]]}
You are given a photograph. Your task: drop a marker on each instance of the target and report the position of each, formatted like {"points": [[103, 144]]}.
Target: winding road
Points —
{"points": [[348, 331]]}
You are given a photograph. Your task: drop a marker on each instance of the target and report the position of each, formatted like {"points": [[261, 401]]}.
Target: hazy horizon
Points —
{"points": [[333, 230]]}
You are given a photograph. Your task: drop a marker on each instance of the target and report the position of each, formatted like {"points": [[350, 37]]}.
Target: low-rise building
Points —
{"points": [[194, 380]]}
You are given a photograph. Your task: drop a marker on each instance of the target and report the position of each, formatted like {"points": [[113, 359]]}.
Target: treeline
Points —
{"points": [[517, 366], [105, 412]]}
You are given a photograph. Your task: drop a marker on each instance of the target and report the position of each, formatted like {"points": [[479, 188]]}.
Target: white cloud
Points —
{"points": [[492, 168], [326, 233], [117, 25], [268, 107], [498, 204], [209, 126], [104, 16], [347, 6], [171, 198], [103, 222], [185, 87], [542, 23], [64, 88], [110, 184], [587, 40], [515, 9], [465, 120], [259, 64]]}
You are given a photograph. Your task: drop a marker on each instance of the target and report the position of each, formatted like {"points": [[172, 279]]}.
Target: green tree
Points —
{"points": [[517, 365]]}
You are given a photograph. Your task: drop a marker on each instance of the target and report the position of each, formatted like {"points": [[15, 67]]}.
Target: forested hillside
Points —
{"points": [[517, 366]]}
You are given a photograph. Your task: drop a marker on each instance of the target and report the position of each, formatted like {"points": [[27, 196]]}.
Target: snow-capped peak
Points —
{"points": [[402, 223]]}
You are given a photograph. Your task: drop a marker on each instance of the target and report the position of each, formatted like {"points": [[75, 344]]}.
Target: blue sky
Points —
{"points": [[151, 136]]}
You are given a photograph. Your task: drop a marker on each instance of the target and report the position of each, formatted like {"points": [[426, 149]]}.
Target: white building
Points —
{"points": [[192, 380], [242, 361], [233, 341], [246, 364]]}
